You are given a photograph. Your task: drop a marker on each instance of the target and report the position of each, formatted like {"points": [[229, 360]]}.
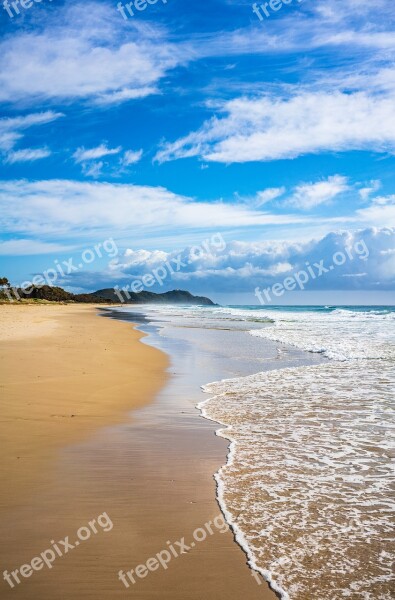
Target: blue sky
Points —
{"points": [[192, 119]]}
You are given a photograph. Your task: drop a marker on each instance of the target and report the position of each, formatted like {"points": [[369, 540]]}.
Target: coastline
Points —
{"points": [[151, 473], [294, 435], [239, 536]]}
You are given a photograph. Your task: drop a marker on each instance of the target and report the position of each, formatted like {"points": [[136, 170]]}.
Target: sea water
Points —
{"points": [[309, 482], [308, 486]]}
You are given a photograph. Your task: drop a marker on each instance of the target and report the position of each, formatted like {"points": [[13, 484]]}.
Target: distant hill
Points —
{"points": [[106, 296], [173, 297]]}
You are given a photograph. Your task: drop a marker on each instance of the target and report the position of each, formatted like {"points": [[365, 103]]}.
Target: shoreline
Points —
{"points": [[294, 357], [286, 428], [150, 470], [239, 537]]}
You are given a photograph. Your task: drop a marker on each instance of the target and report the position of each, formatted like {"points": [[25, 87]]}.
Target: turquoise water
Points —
{"points": [[317, 308]]}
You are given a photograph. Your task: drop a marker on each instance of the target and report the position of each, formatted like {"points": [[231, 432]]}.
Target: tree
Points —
{"points": [[5, 286]]}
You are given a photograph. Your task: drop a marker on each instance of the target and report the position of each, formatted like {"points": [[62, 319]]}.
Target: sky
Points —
{"points": [[218, 146]]}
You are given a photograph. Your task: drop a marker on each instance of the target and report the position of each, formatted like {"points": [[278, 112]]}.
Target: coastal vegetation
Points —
{"points": [[47, 293]]}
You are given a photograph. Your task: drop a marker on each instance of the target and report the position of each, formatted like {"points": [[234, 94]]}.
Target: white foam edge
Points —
{"points": [[238, 534]]}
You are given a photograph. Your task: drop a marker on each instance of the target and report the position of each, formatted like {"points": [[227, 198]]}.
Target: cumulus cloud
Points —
{"points": [[270, 128], [241, 266]]}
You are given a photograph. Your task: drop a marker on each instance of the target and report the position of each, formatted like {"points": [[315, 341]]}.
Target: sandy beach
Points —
{"points": [[72, 452], [65, 373]]}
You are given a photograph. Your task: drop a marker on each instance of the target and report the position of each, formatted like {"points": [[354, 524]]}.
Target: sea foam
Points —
{"points": [[308, 484]]}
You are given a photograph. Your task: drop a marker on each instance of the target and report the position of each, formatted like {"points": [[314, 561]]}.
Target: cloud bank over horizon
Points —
{"points": [[236, 267]]}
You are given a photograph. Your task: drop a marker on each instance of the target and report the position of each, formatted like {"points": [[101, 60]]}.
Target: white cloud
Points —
{"points": [[27, 247], [93, 169], [124, 95], [83, 154], [267, 195], [27, 155], [85, 51], [141, 258], [381, 211], [241, 266], [306, 28], [8, 139], [367, 191], [131, 157], [310, 195], [88, 158], [11, 129], [70, 208], [270, 128]]}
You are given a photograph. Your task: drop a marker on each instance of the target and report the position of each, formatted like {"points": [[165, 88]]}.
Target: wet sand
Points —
{"points": [[64, 374], [149, 470]]}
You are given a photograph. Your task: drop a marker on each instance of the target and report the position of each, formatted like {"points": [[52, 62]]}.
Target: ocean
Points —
{"points": [[308, 486]]}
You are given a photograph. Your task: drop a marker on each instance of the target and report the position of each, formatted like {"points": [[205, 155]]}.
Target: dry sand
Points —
{"points": [[60, 471]]}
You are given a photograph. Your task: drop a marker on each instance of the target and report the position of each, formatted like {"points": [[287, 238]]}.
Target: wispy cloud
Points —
{"points": [[55, 206], [269, 128], [131, 157], [85, 52], [381, 211], [12, 131], [28, 247], [93, 169], [124, 95], [27, 155], [309, 195], [268, 195], [88, 159], [370, 189], [82, 154]]}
